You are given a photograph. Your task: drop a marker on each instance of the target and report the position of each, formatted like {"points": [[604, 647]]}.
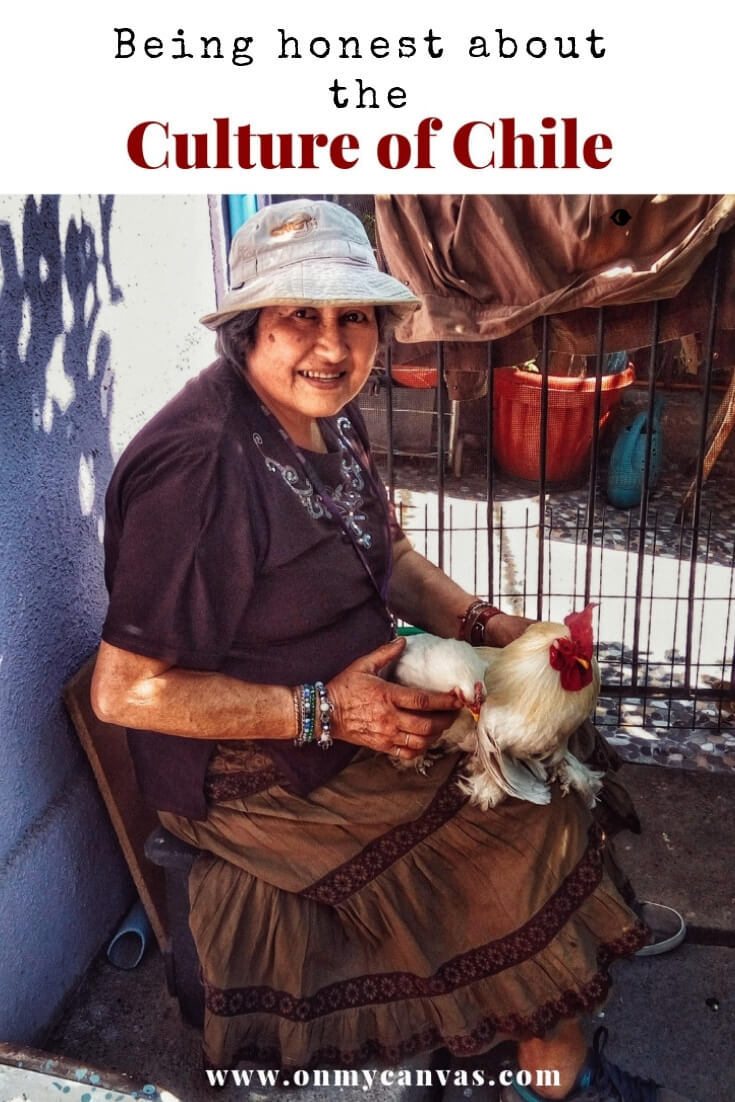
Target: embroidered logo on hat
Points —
{"points": [[298, 226]]}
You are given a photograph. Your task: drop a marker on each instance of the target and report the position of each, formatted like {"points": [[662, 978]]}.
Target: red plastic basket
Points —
{"points": [[517, 422]]}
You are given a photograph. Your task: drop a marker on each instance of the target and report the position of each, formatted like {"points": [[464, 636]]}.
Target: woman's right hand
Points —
{"points": [[504, 628], [390, 718]]}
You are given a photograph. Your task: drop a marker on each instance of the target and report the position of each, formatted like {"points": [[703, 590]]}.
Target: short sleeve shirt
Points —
{"points": [[221, 555]]}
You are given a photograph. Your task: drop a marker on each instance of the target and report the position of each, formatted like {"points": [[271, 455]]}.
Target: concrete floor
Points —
{"points": [[670, 1017]]}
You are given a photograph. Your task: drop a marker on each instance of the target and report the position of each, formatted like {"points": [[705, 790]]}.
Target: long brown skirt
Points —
{"points": [[382, 916]]}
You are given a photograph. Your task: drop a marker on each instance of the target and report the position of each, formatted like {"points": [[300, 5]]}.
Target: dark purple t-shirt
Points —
{"points": [[219, 555]]}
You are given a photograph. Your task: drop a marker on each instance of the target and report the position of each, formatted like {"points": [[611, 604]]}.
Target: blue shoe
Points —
{"points": [[600, 1081]]}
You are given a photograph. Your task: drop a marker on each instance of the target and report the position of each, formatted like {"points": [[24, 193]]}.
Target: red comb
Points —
{"points": [[580, 627]]}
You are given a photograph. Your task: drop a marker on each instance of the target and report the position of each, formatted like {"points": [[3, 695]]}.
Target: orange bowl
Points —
{"points": [[415, 375]]}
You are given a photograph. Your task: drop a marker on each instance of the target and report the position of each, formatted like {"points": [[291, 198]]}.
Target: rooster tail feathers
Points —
{"points": [[573, 773], [509, 774], [481, 789], [500, 776], [520, 782], [537, 768], [488, 754]]}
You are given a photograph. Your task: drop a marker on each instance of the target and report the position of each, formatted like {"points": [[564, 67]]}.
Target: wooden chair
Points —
{"points": [[158, 862]]}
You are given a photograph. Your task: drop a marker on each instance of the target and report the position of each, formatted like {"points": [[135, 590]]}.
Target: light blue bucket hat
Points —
{"points": [[306, 252]]}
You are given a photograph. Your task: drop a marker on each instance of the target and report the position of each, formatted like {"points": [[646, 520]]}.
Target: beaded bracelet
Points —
{"points": [[472, 624], [325, 715], [296, 699], [306, 696], [307, 699]]}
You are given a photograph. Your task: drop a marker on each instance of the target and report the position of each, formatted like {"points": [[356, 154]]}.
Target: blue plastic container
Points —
{"points": [[628, 459]]}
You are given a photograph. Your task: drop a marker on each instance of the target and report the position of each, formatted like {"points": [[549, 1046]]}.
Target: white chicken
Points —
{"points": [[444, 666], [538, 690]]}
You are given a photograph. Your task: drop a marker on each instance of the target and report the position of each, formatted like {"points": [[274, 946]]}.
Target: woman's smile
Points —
{"points": [[322, 377], [308, 362]]}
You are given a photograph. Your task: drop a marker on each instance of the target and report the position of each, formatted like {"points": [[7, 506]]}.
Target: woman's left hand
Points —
{"points": [[384, 716]]}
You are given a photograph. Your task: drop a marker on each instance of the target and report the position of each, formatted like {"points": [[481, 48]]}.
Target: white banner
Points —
{"points": [[151, 96]]}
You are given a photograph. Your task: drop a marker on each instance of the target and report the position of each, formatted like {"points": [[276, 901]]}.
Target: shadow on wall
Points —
{"points": [[56, 388]]}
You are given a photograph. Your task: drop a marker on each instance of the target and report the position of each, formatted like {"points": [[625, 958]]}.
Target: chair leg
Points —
{"points": [[180, 958], [185, 968]]}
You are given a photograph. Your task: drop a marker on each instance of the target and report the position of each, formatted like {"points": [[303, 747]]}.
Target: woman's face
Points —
{"points": [[309, 361]]}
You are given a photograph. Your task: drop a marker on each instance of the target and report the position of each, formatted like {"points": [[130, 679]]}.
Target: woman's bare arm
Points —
{"points": [[148, 694], [424, 595]]}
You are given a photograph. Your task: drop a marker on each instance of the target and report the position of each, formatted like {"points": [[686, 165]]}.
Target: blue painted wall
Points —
{"points": [[99, 300]]}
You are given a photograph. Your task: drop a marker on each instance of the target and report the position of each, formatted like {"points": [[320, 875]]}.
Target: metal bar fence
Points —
{"points": [[665, 583]]}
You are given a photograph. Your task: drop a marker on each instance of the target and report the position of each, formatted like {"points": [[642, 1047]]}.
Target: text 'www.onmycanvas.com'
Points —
{"points": [[367, 1079]]}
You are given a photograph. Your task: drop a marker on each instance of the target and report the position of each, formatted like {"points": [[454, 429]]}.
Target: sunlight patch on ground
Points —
{"points": [[614, 573]]}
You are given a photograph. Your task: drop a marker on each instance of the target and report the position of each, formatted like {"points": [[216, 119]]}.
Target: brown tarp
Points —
{"points": [[490, 267]]}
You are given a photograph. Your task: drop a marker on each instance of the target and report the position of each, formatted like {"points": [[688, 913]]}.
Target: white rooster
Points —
{"points": [[429, 661], [538, 690]]}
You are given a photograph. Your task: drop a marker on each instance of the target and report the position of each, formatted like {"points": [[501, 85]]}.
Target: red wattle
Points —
{"points": [[563, 657]]}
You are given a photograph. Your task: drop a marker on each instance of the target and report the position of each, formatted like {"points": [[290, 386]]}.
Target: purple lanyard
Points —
{"points": [[331, 505]]}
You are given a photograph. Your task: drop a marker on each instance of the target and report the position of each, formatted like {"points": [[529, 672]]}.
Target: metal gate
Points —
{"points": [[662, 570]]}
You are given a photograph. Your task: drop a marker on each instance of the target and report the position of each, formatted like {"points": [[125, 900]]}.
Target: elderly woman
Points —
{"points": [[344, 911]]}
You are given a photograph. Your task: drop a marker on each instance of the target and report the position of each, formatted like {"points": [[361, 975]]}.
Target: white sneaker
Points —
{"points": [[667, 925]]}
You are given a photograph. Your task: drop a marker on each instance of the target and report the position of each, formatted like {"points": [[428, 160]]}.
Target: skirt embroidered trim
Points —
{"points": [[477, 1040], [479, 963]]}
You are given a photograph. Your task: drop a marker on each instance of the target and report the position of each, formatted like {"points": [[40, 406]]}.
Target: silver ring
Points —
{"points": [[408, 736], [396, 753]]}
